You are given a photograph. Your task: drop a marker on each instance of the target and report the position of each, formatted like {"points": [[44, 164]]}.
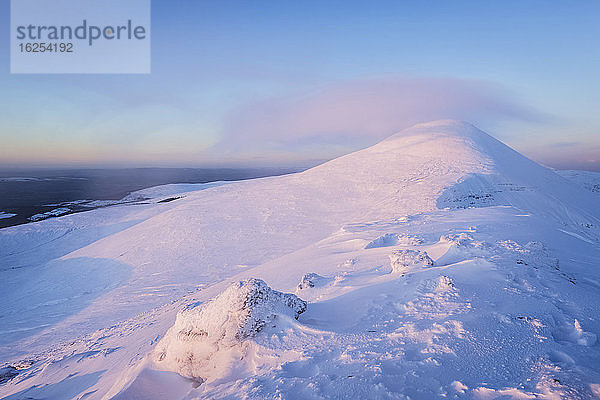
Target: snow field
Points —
{"points": [[417, 285]]}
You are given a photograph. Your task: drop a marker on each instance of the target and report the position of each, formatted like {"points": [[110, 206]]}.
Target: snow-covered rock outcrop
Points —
{"points": [[312, 280], [404, 260], [202, 334]]}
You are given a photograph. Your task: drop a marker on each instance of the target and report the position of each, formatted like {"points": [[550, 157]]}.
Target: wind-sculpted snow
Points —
{"points": [[393, 239], [478, 190], [163, 191], [586, 179], [575, 334], [493, 291], [203, 335], [313, 280], [404, 260]]}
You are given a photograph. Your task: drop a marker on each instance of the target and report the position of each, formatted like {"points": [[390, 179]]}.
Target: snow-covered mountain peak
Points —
{"points": [[453, 164], [448, 127], [454, 141], [444, 149], [438, 263], [437, 165]]}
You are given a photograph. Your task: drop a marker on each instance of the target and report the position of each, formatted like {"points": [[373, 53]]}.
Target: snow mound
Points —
{"points": [[202, 334], [312, 280], [575, 334], [404, 260], [461, 240], [461, 246], [439, 285], [394, 239], [459, 387]]}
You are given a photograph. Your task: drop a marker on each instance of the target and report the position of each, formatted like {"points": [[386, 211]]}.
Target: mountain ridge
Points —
{"points": [[437, 263]]}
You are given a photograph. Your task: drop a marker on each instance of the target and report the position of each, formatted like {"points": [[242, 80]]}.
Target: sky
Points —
{"points": [[294, 83]]}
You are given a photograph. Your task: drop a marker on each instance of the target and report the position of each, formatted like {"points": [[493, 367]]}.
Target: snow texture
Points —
{"points": [[393, 239], [313, 280], [52, 213], [586, 179], [239, 313], [404, 260], [494, 294]]}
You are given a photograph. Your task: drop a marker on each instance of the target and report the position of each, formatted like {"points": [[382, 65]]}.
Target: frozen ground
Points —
{"points": [[438, 263]]}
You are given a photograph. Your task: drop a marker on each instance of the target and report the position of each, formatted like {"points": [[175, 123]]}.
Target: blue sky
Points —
{"points": [[289, 82]]}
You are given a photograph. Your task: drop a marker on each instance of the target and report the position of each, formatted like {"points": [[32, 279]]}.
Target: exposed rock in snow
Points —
{"points": [[7, 373], [312, 280], [203, 333], [586, 179], [480, 190], [537, 253], [404, 260]]}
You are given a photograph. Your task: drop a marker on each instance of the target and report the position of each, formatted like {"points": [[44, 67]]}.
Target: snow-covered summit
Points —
{"points": [[421, 169], [450, 164]]}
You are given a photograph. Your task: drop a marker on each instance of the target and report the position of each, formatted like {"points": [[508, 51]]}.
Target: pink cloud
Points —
{"points": [[360, 112]]}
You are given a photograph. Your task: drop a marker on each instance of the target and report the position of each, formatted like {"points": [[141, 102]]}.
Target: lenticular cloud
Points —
{"points": [[363, 111]]}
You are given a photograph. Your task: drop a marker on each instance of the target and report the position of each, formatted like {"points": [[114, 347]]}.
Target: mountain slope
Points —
{"points": [[587, 179], [437, 263]]}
